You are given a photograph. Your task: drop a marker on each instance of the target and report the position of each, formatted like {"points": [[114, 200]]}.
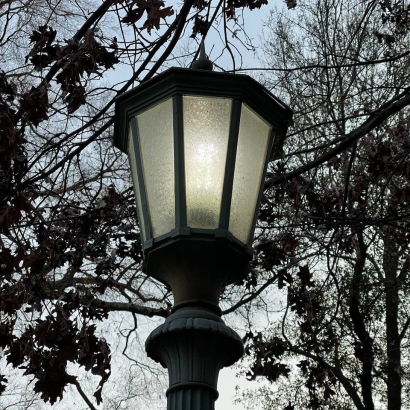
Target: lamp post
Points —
{"points": [[199, 143]]}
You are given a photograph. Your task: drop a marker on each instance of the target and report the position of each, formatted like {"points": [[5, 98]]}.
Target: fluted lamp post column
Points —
{"points": [[199, 143]]}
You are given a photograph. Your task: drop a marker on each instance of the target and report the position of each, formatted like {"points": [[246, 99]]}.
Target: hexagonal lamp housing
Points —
{"points": [[199, 143]]}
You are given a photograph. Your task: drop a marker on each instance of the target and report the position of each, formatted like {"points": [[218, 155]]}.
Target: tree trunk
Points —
{"points": [[390, 266], [364, 351]]}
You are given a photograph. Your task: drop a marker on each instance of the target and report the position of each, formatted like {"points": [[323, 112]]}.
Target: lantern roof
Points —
{"points": [[188, 81]]}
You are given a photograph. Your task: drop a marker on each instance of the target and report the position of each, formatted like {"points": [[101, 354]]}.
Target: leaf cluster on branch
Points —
{"points": [[332, 239], [70, 249], [340, 195]]}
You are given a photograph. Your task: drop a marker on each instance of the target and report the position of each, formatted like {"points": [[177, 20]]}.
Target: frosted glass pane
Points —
{"points": [[206, 131], [155, 128], [250, 160], [132, 158]]}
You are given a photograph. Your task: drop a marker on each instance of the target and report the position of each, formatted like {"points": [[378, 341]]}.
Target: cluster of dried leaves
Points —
{"points": [[70, 250], [335, 237], [344, 302], [66, 236]]}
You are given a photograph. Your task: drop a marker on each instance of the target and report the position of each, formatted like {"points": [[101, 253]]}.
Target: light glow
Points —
{"points": [[206, 131]]}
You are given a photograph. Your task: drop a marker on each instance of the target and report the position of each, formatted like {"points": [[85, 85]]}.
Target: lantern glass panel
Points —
{"points": [[206, 130], [253, 142], [156, 139], [132, 156]]}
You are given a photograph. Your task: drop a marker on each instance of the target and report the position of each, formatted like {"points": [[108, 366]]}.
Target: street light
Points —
{"points": [[199, 143]]}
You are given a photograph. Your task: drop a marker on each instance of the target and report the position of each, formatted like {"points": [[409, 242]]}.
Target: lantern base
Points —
{"points": [[193, 344], [197, 267]]}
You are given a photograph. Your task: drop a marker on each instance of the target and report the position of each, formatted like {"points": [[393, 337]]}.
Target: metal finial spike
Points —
{"points": [[202, 63], [202, 54]]}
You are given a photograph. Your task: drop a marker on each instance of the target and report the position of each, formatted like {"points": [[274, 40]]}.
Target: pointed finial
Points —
{"points": [[202, 63]]}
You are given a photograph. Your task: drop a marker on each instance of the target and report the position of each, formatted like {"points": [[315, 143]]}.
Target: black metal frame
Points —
{"points": [[175, 83], [230, 163], [146, 220]]}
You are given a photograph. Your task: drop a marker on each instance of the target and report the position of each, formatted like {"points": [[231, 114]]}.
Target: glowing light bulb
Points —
{"points": [[206, 131]]}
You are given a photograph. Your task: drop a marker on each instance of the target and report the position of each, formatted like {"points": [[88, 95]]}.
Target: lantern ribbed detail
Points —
{"points": [[193, 344]]}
